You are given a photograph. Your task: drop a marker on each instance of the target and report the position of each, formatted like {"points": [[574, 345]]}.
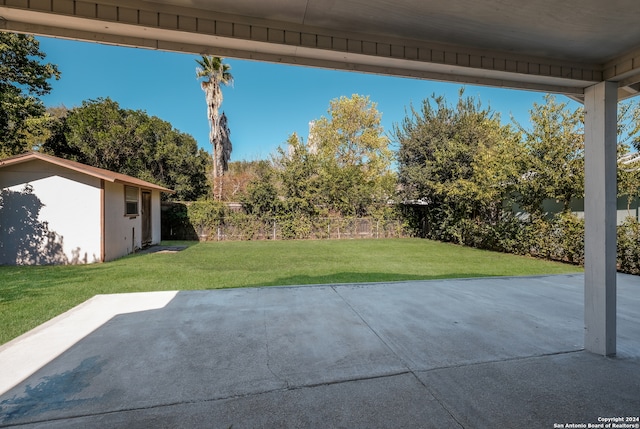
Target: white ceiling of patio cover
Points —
{"points": [[536, 44], [579, 30]]}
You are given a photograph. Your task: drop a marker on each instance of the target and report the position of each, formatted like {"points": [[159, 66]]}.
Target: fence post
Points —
{"points": [[274, 229]]}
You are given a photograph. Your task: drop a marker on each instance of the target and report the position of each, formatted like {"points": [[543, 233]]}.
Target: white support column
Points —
{"points": [[600, 218]]}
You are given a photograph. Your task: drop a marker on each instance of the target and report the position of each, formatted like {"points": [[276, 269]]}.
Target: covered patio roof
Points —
{"points": [[544, 45]]}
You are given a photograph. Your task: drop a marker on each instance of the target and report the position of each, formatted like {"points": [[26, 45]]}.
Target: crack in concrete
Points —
{"points": [[508, 359], [294, 388], [442, 405], [402, 361], [413, 371], [266, 343], [373, 331]]}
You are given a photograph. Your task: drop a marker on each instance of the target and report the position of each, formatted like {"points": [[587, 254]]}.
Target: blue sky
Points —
{"points": [[267, 103]]}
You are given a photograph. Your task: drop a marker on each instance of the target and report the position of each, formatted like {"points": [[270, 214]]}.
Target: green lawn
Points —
{"points": [[31, 295]]}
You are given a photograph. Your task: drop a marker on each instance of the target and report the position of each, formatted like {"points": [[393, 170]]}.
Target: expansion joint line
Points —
{"points": [[402, 361], [433, 394], [266, 343], [510, 359]]}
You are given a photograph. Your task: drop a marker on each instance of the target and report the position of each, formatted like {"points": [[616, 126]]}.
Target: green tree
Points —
{"points": [[297, 173], [554, 161], [214, 74], [628, 160], [496, 172], [55, 141], [353, 155], [23, 77], [101, 134], [453, 162], [629, 177], [170, 157], [261, 195], [634, 122]]}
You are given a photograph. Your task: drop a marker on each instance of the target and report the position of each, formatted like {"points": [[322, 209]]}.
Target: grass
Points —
{"points": [[32, 295]]}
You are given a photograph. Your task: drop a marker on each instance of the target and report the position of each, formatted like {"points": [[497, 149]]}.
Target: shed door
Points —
{"points": [[146, 218]]}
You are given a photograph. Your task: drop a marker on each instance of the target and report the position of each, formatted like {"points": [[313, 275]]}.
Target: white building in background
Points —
{"points": [[56, 211], [312, 140]]}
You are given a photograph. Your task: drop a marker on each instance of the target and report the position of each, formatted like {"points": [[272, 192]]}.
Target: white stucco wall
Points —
{"points": [[123, 234], [70, 207]]}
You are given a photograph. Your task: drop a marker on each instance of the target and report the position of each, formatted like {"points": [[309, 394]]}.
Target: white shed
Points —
{"points": [[56, 211]]}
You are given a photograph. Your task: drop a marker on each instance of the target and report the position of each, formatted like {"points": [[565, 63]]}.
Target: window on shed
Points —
{"points": [[131, 201]]}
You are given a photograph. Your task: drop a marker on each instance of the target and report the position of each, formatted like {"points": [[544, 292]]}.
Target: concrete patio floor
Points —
{"points": [[480, 353]]}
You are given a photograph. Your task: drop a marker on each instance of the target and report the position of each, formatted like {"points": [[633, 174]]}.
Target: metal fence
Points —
{"points": [[319, 229], [177, 224]]}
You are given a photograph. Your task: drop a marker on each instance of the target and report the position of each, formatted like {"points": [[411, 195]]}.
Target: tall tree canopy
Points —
{"points": [[631, 114], [23, 77], [554, 164], [457, 166], [102, 134], [299, 177], [354, 158], [215, 74], [343, 169], [451, 158]]}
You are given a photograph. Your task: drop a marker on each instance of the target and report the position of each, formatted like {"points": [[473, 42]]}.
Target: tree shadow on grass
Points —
{"points": [[354, 277], [34, 281]]}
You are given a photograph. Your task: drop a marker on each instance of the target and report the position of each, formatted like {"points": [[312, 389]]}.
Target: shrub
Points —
{"points": [[206, 216], [629, 246], [569, 235], [242, 226], [294, 226], [175, 222]]}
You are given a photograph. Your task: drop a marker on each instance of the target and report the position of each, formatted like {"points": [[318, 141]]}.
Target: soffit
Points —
{"points": [[577, 30], [534, 44]]}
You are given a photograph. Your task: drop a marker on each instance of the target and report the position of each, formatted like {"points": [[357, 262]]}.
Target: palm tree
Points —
{"points": [[215, 74]]}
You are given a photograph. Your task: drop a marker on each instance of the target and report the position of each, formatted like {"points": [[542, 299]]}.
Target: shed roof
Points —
{"points": [[99, 173]]}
